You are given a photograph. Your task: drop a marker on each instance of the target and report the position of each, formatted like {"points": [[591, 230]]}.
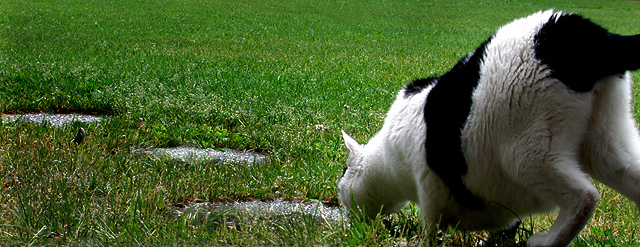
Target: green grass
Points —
{"points": [[246, 75]]}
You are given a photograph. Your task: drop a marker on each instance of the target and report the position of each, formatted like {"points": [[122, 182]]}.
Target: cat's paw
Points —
{"points": [[540, 239], [543, 239]]}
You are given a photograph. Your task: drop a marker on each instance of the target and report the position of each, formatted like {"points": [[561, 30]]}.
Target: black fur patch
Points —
{"points": [[446, 110], [418, 85], [580, 52]]}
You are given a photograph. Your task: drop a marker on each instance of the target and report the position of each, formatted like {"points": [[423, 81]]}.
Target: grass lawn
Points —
{"points": [[242, 75]]}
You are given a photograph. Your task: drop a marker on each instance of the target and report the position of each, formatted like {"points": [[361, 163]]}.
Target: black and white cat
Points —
{"points": [[517, 127]]}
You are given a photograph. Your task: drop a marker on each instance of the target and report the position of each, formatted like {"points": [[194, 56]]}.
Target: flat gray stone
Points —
{"points": [[237, 214], [56, 120], [191, 154]]}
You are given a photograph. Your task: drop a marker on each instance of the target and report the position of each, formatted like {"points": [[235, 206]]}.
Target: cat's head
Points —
{"points": [[351, 190]]}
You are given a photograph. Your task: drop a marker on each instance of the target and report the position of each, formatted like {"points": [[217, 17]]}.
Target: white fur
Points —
{"points": [[530, 143]]}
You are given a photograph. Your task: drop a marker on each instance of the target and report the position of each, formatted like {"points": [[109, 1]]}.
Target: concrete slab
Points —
{"points": [[237, 214], [56, 120], [191, 154]]}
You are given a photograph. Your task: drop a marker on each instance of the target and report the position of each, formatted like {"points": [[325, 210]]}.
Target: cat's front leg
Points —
{"points": [[571, 220], [558, 178]]}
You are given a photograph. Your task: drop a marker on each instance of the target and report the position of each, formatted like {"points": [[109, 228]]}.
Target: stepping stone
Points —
{"points": [[191, 154], [56, 120], [237, 214]]}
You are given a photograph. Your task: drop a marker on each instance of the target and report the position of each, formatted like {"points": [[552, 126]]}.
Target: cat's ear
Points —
{"points": [[352, 145]]}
